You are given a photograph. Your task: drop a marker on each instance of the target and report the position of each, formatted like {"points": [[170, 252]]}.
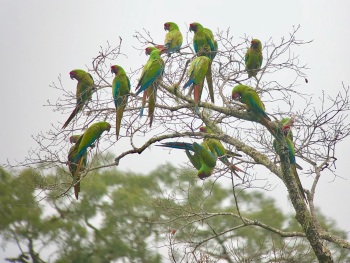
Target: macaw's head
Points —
{"points": [[148, 50], [195, 26], [256, 44], [236, 95], [239, 90], [77, 74], [203, 129], [168, 26], [202, 174], [286, 130], [74, 138], [107, 126], [115, 69]]}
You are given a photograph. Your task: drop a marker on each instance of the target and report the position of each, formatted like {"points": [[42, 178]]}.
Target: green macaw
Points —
{"points": [[153, 69], [173, 39], [120, 91], [202, 159], [196, 73], [92, 134], [251, 99], [73, 165], [151, 74], [84, 91], [275, 144], [204, 44], [286, 123], [216, 147], [291, 155], [253, 58]]}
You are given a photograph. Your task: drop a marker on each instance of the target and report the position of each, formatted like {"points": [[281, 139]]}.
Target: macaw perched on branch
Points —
{"points": [[120, 91], [84, 91], [251, 99], [196, 73], [216, 147], [204, 44], [291, 155], [73, 151], [92, 134], [253, 58], [202, 159], [173, 39], [286, 122], [151, 74], [153, 69]]}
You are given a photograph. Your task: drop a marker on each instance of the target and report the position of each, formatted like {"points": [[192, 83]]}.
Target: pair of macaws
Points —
{"points": [[77, 155], [206, 48], [252, 102], [153, 70], [85, 87], [205, 154], [288, 136]]}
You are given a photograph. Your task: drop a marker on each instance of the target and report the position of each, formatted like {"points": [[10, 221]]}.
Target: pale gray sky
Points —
{"points": [[42, 39]]}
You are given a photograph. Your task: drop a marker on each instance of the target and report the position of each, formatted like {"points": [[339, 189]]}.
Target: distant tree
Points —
{"points": [[129, 217], [318, 127]]}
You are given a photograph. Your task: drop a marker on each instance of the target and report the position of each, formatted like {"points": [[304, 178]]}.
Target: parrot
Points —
{"points": [[290, 144], [251, 99], [216, 147], [153, 69], [202, 159], [151, 74], [196, 73], [92, 134], [253, 58], [204, 44], [275, 144], [173, 39], [120, 91], [84, 91], [73, 165]]}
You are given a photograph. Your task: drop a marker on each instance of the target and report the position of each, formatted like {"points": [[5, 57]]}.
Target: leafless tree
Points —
{"points": [[319, 126]]}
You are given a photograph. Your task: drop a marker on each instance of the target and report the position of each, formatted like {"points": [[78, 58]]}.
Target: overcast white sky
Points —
{"points": [[42, 39]]}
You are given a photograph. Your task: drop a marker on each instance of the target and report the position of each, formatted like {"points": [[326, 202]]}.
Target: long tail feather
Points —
{"points": [[300, 186], [77, 187], [177, 145], [75, 112], [210, 83], [188, 83]]}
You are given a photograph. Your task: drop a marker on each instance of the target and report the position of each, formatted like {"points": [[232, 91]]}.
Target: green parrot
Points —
{"points": [[216, 147], [293, 164], [253, 58], [290, 135], [76, 139], [285, 121], [202, 159], [151, 74], [196, 73], [84, 91], [204, 44], [251, 99], [153, 69], [92, 134], [120, 91], [173, 39]]}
